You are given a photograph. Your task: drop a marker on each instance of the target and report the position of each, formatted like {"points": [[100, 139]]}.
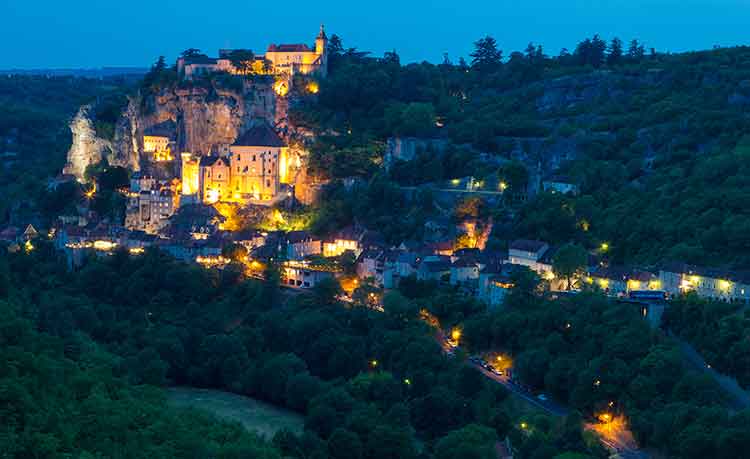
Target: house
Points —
{"points": [[341, 241], [300, 244], [434, 267], [619, 280], [249, 239], [305, 275], [679, 278], [157, 142], [150, 204], [381, 265], [464, 270], [531, 254]]}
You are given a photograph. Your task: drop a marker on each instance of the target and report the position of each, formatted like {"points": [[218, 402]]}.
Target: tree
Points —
{"points": [[344, 444], [242, 60], [636, 51], [191, 52], [486, 57], [614, 55], [471, 442], [569, 261]]}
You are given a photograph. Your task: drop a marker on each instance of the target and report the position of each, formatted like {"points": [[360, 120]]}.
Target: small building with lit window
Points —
{"points": [[719, 284], [620, 280]]}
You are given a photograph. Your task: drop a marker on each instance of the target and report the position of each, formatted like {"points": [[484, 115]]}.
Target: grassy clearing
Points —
{"points": [[254, 415]]}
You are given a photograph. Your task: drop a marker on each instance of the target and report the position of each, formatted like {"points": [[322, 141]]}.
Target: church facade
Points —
{"points": [[251, 170]]}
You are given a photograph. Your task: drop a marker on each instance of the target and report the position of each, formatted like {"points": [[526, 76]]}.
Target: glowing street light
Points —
{"points": [[604, 246], [373, 363], [456, 334]]}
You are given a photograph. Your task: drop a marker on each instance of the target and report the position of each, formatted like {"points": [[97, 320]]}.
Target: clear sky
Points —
{"points": [[95, 33]]}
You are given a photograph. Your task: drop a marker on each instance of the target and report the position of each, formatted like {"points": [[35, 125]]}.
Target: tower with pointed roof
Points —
{"points": [[321, 49]]}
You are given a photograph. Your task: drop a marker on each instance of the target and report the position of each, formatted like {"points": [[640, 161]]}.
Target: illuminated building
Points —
{"points": [[680, 278], [279, 59], [619, 281], [305, 275], [340, 242], [249, 171], [150, 204]]}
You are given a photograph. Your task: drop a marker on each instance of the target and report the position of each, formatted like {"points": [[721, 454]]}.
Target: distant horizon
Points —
{"points": [[81, 34]]}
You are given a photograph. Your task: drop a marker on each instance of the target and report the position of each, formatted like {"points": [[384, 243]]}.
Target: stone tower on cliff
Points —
{"points": [[321, 49]]}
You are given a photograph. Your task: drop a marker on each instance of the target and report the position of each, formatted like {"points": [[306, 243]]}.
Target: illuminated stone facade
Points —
{"points": [[249, 171], [281, 59]]}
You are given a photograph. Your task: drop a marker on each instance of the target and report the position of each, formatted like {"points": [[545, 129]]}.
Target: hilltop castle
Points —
{"points": [[281, 59]]}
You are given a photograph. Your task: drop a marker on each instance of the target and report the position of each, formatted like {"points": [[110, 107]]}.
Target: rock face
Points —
{"points": [[86, 148], [203, 118]]}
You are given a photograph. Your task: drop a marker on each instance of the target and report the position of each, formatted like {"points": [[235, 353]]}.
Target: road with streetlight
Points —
{"points": [[613, 434]]}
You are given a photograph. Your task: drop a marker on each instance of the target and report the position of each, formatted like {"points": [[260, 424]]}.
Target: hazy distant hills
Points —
{"points": [[102, 72]]}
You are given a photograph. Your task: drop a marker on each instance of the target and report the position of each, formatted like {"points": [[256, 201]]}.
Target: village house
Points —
{"points": [[620, 281], [281, 59], [249, 238], [535, 255], [343, 240], [435, 268], [380, 265], [305, 275], [150, 204], [301, 244], [157, 144], [678, 278], [464, 270]]}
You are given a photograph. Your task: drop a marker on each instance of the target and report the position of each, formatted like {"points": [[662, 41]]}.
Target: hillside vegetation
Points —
{"points": [[656, 142]]}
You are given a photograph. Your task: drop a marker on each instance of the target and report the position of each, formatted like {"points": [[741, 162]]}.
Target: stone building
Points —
{"points": [[150, 204], [249, 171], [279, 59]]}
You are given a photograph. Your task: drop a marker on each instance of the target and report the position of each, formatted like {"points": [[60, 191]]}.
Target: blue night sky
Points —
{"points": [[95, 33]]}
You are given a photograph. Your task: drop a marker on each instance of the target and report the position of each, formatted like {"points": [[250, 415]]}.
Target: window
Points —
{"points": [[239, 158]]}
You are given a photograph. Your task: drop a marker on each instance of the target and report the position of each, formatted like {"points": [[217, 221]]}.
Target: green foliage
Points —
{"points": [[174, 324], [62, 398], [588, 351]]}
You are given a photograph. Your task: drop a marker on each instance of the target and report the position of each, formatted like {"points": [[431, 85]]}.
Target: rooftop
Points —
{"points": [[527, 245], [259, 136], [289, 48]]}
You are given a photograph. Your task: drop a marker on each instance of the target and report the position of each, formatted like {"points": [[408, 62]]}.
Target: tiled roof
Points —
{"points": [[527, 245], [212, 159], [259, 136], [289, 48]]}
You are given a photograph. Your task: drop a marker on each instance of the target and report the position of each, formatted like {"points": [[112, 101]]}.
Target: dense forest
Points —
{"points": [[719, 330], [372, 385], [648, 137]]}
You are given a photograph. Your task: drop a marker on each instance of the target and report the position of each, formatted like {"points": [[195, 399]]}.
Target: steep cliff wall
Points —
{"points": [[200, 117], [86, 148]]}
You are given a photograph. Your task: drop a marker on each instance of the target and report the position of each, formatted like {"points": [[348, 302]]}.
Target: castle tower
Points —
{"points": [[321, 43]]}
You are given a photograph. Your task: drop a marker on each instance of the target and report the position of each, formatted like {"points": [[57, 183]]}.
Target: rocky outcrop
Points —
{"points": [[86, 148], [206, 117], [200, 118]]}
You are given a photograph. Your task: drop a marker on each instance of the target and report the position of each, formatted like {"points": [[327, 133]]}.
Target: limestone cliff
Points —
{"points": [[205, 117], [199, 117], [86, 148]]}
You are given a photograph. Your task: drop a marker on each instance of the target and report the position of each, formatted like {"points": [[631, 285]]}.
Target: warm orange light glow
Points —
{"points": [[312, 87], [92, 191], [281, 87], [136, 250], [104, 245], [604, 417], [456, 334]]}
